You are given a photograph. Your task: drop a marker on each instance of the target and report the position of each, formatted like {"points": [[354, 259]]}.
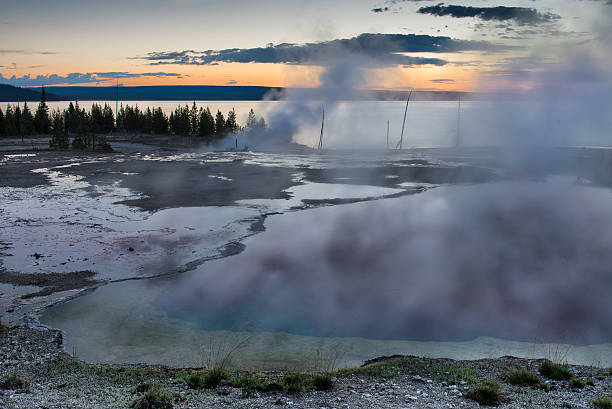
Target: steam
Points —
{"points": [[521, 261]]}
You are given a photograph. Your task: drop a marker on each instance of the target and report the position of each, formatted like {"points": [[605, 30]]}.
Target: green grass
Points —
{"points": [[441, 370], [577, 383], [322, 382], [209, 380], [13, 381], [555, 371], [296, 383], [522, 377], [603, 402], [154, 398], [488, 393], [590, 382], [196, 380], [257, 382]]}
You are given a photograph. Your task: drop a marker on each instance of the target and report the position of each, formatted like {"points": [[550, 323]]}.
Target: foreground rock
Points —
{"points": [[36, 373]]}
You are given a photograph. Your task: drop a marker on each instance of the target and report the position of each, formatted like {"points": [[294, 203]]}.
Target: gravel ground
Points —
{"points": [[57, 380]]}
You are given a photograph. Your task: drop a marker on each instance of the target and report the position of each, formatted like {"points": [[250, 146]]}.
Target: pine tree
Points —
{"points": [[230, 123], [18, 122], [251, 120], [194, 119], [80, 124], [70, 117], [160, 122], [108, 119], [220, 124], [41, 117], [10, 127], [207, 123], [59, 139], [2, 124], [27, 121]]}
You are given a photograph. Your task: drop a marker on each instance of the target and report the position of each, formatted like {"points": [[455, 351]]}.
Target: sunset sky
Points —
{"points": [[240, 42]]}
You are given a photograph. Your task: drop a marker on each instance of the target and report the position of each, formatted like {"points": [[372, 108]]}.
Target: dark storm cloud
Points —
{"points": [[520, 15], [385, 49], [78, 78]]}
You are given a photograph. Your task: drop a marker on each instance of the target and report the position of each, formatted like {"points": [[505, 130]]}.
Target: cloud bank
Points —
{"points": [[385, 49], [79, 78], [520, 15]]}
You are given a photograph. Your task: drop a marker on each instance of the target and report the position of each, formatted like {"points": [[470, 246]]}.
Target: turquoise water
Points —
{"points": [[466, 272]]}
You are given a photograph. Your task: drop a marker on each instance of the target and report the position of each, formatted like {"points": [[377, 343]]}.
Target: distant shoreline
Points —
{"points": [[208, 93]]}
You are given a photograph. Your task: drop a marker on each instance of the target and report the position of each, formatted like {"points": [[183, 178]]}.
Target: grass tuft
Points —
{"points": [[555, 371], [4, 330], [577, 383], [488, 393], [209, 380], [196, 380], [322, 382], [522, 377], [154, 399], [296, 383], [256, 382], [13, 382], [603, 402]]}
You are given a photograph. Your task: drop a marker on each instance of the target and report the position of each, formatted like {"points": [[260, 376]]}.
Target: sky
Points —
{"points": [[424, 44]]}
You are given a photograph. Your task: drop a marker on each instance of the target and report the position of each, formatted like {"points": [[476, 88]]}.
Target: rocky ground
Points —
{"points": [[36, 373]]}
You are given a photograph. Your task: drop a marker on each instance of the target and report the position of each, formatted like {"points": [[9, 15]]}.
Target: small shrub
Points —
{"points": [[78, 143], [322, 382], [210, 379], [488, 393], [196, 380], [603, 402], [555, 371], [295, 382], [14, 381], [577, 383], [3, 329], [522, 377], [143, 387], [590, 382], [251, 382], [214, 376], [154, 399]]}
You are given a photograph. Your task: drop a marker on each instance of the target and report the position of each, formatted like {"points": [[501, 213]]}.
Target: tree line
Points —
{"points": [[76, 127]]}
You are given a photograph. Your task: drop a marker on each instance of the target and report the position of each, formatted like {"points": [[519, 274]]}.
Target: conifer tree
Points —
{"points": [[41, 117], [59, 138], [160, 122], [219, 124], [10, 127], [251, 120], [27, 121], [194, 119], [108, 119], [230, 123], [17, 121], [2, 124], [207, 124]]}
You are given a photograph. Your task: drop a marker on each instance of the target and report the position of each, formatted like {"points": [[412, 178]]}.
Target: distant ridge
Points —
{"points": [[9, 93], [164, 93], [210, 93]]}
